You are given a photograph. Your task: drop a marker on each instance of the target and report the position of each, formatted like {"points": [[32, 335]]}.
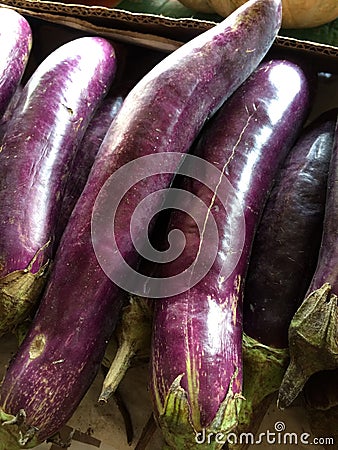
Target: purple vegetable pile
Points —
{"points": [[184, 205]]}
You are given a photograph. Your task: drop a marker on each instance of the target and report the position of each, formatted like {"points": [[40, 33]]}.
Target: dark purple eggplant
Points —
{"points": [[282, 262], [196, 378], [15, 45], [164, 112], [313, 332], [285, 250], [38, 148]]}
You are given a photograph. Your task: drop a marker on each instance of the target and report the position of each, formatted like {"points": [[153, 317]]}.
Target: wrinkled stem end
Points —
{"points": [[133, 335], [292, 384], [313, 342], [179, 430], [263, 369], [117, 371]]}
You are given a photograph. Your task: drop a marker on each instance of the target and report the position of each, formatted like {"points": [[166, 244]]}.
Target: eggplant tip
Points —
{"points": [[280, 404], [103, 399]]}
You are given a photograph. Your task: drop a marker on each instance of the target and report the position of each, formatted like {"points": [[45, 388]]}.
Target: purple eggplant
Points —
{"points": [[196, 377], [282, 262], [313, 332], [38, 148], [133, 64], [15, 45], [86, 154], [63, 349], [10, 110], [286, 246]]}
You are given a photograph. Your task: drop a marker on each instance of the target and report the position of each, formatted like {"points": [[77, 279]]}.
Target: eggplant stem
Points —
{"points": [[35, 257], [313, 342], [176, 414], [263, 370], [118, 369], [293, 383], [19, 292], [133, 335]]}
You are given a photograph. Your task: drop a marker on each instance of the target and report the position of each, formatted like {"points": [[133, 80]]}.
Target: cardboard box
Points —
{"points": [[151, 30]]}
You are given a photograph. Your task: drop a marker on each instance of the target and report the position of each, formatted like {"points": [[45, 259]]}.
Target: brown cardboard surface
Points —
{"points": [[155, 31]]}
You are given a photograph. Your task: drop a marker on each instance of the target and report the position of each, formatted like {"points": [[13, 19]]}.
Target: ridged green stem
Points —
{"points": [[313, 342]]}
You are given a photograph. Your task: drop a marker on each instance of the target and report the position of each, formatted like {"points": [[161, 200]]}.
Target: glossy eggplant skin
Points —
{"points": [[10, 110], [37, 151], [327, 264], [86, 155], [286, 246], [80, 306], [132, 66], [313, 331], [15, 47], [197, 335]]}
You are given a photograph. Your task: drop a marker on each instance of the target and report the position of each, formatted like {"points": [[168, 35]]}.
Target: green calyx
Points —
{"points": [[19, 292], [180, 433], [313, 342], [263, 370], [14, 434], [133, 335]]}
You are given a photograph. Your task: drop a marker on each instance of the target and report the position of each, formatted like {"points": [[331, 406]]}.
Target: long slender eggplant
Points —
{"points": [[37, 150], [313, 332], [282, 262], [15, 47], [286, 246], [165, 111], [196, 378]]}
